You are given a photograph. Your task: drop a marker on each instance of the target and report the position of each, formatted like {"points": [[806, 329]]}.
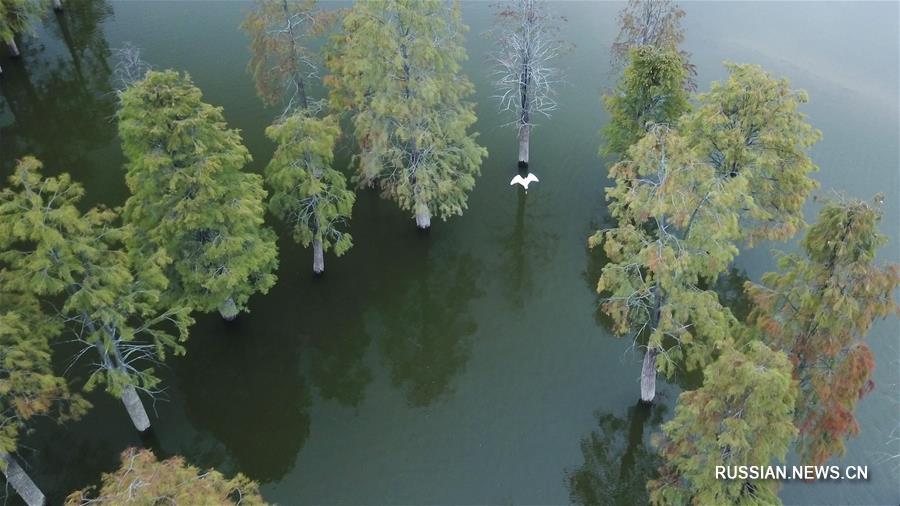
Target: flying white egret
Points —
{"points": [[524, 181]]}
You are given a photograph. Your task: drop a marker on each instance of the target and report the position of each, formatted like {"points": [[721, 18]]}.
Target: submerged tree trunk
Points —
{"points": [[21, 482], [423, 220], [13, 48], [228, 309], [318, 257], [135, 409], [423, 215], [648, 376], [524, 141]]}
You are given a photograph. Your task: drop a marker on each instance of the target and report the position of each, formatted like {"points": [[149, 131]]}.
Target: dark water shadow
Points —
{"points": [[425, 336], [58, 98], [526, 249], [618, 459], [246, 390]]}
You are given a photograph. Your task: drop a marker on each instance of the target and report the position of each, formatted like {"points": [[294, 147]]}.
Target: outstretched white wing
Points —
{"points": [[531, 178], [518, 179]]}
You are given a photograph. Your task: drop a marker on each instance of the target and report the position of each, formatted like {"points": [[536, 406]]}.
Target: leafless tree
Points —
{"points": [[130, 66], [527, 38]]}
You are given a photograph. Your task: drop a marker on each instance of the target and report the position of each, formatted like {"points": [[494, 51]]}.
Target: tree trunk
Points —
{"points": [[318, 257], [423, 220], [228, 309], [423, 216], [524, 141], [648, 376], [13, 48], [57, 5], [135, 409], [21, 482]]}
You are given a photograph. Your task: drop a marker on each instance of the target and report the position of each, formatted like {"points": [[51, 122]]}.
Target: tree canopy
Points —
{"points": [[654, 23], [111, 302], [28, 385], [818, 308], [750, 124], [308, 194], [396, 66], [741, 416], [677, 227], [144, 480], [190, 196], [651, 92], [280, 62]]}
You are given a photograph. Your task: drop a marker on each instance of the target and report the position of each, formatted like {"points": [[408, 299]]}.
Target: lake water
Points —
{"points": [[469, 365]]}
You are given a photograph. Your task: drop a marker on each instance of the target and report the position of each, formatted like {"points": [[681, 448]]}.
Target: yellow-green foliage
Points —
{"points": [[750, 124], [112, 302], [818, 309], [143, 480], [741, 416], [190, 196], [307, 193], [19, 16], [397, 68], [651, 91], [677, 228], [28, 385]]}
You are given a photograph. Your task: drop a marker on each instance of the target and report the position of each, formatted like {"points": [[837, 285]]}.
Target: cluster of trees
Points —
{"points": [[696, 176], [694, 180], [191, 236]]}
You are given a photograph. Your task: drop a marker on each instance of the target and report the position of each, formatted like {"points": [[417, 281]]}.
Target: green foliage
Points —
{"points": [[189, 196], [654, 23], [143, 480], [818, 309], [28, 386], [677, 227], [19, 16], [307, 193], [397, 67], [750, 125], [741, 416], [111, 302], [651, 91]]}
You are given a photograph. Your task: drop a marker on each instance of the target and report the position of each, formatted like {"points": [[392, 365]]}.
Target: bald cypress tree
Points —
{"points": [[190, 197], [308, 193], [655, 23], [741, 416], [750, 124], [527, 40], [818, 308], [29, 388], [651, 92], [397, 67], [676, 231], [111, 303], [142, 479]]}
